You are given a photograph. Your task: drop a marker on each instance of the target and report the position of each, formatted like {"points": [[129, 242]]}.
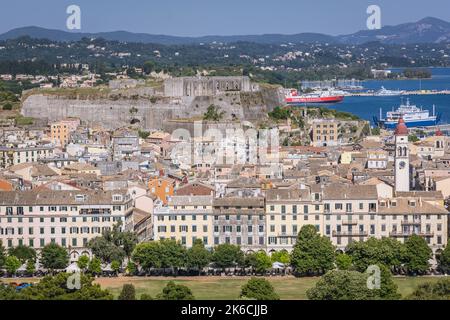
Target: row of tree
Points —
{"points": [[52, 257], [312, 254]]}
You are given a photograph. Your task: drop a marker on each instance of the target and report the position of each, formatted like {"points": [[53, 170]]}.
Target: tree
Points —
{"points": [[114, 244], [388, 288], [147, 255], [83, 262], [198, 256], [444, 260], [105, 249], [146, 296], [12, 263], [174, 291], [344, 261], [131, 268], [341, 285], [7, 106], [173, 254], [263, 262], [387, 251], [432, 291], [213, 113], [95, 266], [418, 255], [2, 254], [54, 257], [413, 138], [227, 255], [31, 267], [58, 288], [281, 256], [127, 240], [23, 253], [259, 289], [115, 266], [128, 292], [312, 253]]}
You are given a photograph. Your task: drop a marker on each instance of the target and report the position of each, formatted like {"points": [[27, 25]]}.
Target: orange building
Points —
{"points": [[61, 130], [162, 187], [5, 185]]}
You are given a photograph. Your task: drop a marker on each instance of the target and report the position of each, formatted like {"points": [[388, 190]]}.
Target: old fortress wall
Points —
{"points": [[182, 98]]}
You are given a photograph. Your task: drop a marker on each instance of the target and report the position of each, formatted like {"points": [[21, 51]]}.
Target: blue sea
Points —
{"points": [[367, 107]]}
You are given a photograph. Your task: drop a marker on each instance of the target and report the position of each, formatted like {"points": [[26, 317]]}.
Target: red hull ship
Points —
{"points": [[324, 97]]}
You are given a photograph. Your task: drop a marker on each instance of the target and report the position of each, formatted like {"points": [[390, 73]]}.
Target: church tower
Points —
{"points": [[402, 181]]}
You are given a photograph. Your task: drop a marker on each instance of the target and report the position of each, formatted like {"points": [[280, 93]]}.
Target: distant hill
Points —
{"points": [[428, 30]]}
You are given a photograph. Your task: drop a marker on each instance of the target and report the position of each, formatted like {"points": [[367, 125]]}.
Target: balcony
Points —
{"points": [[411, 223], [287, 235], [350, 234], [349, 222], [402, 234]]}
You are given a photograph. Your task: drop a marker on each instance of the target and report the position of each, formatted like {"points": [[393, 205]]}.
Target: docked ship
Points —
{"points": [[412, 115], [318, 97], [383, 92]]}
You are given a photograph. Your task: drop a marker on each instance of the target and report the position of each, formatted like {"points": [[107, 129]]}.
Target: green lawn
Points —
{"points": [[218, 288]]}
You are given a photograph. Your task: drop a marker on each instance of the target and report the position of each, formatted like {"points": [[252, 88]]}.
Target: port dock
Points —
{"points": [[405, 93]]}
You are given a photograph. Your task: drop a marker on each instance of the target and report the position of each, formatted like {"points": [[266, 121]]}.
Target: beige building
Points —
{"points": [[17, 155], [185, 219], [68, 218], [401, 217], [287, 211], [325, 133]]}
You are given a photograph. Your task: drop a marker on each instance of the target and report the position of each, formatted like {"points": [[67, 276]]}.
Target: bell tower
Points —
{"points": [[402, 181]]}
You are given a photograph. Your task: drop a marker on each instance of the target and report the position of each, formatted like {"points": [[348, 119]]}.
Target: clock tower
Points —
{"points": [[401, 157]]}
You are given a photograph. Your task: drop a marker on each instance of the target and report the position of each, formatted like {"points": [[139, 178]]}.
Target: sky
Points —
{"points": [[214, 17]]}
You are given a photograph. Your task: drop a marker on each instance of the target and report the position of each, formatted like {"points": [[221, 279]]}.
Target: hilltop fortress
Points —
{"points": [[151, 107]]}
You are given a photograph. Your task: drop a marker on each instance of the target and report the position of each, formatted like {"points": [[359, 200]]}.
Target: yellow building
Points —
{"points": [[185, 219], [287, 211], [60, 131]]}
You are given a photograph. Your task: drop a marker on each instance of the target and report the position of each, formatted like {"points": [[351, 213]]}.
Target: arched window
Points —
{"points": [[399, 152], [405, 151]]}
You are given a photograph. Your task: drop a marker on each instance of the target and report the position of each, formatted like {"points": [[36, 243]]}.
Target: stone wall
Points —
{"points": [[113, 112]]}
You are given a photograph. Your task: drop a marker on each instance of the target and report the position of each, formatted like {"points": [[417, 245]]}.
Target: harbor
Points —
{"points": [[404, 93]]}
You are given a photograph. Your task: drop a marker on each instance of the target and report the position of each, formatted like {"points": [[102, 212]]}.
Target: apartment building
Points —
{"points": [[61, 130], [239, 219], [325, 133], [68, 218], [287, 211], [10, 156], [185, 219], [401, 217], [350, 213]]}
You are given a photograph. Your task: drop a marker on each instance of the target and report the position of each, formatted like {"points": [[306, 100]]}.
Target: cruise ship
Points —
{"points": [[411, 114]]}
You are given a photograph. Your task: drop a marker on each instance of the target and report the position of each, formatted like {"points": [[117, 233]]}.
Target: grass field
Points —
{"points": [[220, 288]]}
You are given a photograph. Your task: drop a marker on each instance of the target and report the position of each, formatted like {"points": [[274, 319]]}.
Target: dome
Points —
{"points": [[401, 128]]}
